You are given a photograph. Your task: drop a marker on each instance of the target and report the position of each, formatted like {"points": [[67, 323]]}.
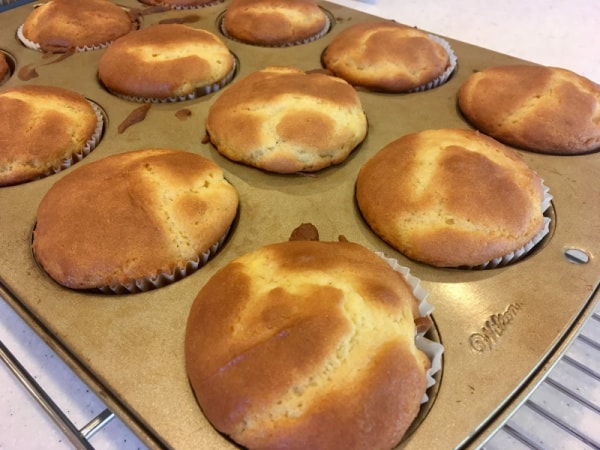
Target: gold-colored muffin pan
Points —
{"points": [[501, 328]]}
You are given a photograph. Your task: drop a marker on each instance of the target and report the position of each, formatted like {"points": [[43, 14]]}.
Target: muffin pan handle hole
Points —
{"points": [[576, 256]]}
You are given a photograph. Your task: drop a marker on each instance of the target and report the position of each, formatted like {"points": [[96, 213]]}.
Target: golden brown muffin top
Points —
{"points": [[544, 109], [273, 23], [286, 120], [47, 125], [131, 216], [385, 56], [163, 61], [307, 344], [61, 25], [450, 197]]}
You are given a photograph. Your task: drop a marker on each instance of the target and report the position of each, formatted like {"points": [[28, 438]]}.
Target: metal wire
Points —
{"points": [[77, 438]]}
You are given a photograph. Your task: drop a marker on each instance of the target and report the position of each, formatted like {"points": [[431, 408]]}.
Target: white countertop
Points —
{"points": [[549, 32]]}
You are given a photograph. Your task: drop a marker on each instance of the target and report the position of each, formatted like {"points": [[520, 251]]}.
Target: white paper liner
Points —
{"points": [[452, 60], [434, 350], [198, 92], [319, 35], [524, 250], [35, 46], [164, 279], [86, 150]]}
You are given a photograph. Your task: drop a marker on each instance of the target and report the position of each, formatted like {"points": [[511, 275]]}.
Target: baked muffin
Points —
{"points": [[284, 120], [280, 23], [63, 25], [387, 56], [543, 109], [166, 62], [307, 344], [4, 68], [452, 198], [50, 128], [156, 216], [182, 4]]}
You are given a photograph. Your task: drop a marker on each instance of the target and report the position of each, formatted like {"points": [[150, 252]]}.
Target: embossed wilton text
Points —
{"points": [[493, 328]]}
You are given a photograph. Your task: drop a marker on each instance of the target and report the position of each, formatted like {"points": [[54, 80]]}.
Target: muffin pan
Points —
{"points": [[501, 328]]}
